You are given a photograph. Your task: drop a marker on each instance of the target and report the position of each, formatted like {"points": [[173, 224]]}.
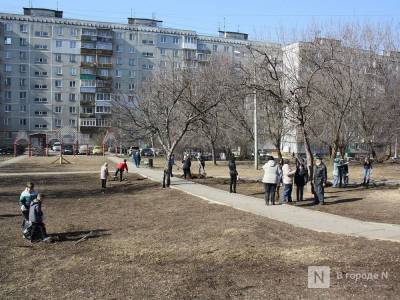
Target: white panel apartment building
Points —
{"points": [[59, 73]]}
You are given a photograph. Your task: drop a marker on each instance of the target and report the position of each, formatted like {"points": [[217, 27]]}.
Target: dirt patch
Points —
{"points": [[150, 242]]}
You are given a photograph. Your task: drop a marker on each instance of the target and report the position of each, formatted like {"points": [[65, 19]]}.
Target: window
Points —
{"points": [[59, 71], [41, 73], [118, 73], [41, 33], [7, 40], [132, 36], [58, 83], [23, 42], [22, 122], [72, 97], [162, 51], [7, 81], [23, 28], [8, 68], [41, 60], [215, 48], [41, 86], [74, 31], [7, 108], [148, 42], [41, 126], [131, 86], [117, 85], [226, 48], [118, 61], [41, 47], [163, 39], [8, 27], [57, 97], [131, 61], [175, 40], [163, 64], [22, 108], [73, 71], [176, 53], [22, 95], [58, 44], [103, 97], [72, 83], [147, 67], [72, 44], [88, 83], [59, 30], [72, 110], [7, 54], [57, 109], [7, 95], [58, 58], [72, 122], [40, 113], [131, 50], [72, 58], [23, 55], [148, 54], [57, 122], [22, 68], [22, 82], [118, 48], [91, 58], [103, 109], [40, 100], [132, 74], [118, 35]]}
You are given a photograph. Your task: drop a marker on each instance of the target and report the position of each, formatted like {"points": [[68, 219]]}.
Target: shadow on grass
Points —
{"points": [[71, 236], [339, 201]]}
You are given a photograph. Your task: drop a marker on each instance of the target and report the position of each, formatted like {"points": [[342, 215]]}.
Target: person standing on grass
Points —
{"points": [[270, 180], [345, 170], [103, 176], [367, 171], [287, 180], [133, 153], [186, 164], [138, 158], [202, 165], [300, 180], [280, 177], [36, 217], [335, 173], [27, 196], [319, 180], [121, 167], [233, 174]]}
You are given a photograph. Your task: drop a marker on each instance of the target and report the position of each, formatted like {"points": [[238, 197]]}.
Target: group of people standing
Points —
{"points": [[281, 173]]}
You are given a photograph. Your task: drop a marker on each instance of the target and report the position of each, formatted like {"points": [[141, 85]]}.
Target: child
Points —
{"points": [[27, 196], [38, 231], [104, 176]]}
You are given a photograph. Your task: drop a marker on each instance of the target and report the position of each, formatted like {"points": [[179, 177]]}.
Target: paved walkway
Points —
{"points": [[48, 173], [300, 217], [12, 160]]}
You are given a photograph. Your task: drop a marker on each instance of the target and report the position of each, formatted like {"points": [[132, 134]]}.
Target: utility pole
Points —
{"points": [[255, 123], [395, 148]]}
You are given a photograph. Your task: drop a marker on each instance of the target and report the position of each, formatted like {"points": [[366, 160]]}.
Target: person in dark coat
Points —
{"points": [[27, 196], [168, 171], [280, 178], [38, 231], [300, 180], [367, 171], [186, 164], [233, 174], [319, 180], [138, 158]]}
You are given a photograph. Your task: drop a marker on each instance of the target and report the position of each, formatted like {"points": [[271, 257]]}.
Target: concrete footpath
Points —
{"points": [[12, 160], [296, 216]]}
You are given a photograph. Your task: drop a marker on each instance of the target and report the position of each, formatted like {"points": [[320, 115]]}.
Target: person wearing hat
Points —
{"points": [[335, 172], [233, 174], [319, 180]]}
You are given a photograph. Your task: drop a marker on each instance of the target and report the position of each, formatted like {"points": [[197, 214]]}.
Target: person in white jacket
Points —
{"points": [[270, 180], [103, 176], [288, 174]]}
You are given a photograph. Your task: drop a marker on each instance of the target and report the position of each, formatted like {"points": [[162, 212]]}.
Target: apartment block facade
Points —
{"points": [[61, 73]]}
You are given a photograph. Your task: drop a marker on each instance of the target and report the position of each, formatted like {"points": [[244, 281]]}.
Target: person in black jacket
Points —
{"points": [[233, 174], [300, 180], [319, 180], [186, 164], [38, 232]]}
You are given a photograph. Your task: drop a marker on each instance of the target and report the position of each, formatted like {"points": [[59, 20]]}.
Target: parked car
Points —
{"points": [[97, 150], [68, 149], [85, 149], [132, 149], [147, 152], [56, 146], [6, 151]]}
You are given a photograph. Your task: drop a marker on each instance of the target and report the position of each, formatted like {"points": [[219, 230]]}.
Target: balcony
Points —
{"points": [[105, 52], [87, 102], [90, 51], [88, 38], [88, 64], [190, 46], [87, 115], [105, 66], [88, 89], [87, 122], [103, 123]]}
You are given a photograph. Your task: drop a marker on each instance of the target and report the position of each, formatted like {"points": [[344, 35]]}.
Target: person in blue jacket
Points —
{"points": [[27, 196]]}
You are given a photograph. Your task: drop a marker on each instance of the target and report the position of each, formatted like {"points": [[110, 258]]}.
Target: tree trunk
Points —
{"points": [[372, 149], [166, 174], [213, 153], [309, 155], [278, 150]]}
